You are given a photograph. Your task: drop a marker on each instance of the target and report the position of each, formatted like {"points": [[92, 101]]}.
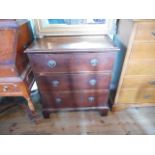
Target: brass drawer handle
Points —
{"points": [[147, 96], [58, 100], [153, 33], [91, 99], [5, 88], [152, 82], [94, 62], [92, 82], [55, 83], [51, 63]]}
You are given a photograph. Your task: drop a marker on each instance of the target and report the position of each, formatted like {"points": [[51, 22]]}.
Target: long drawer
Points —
{"points": [[145, 31], [143, 51], [8, 71], [61, 82], [75, 62], [142, 82], [9, 88], [6, 58], [7, 38], [75, 99], [139, 95], [141, 67]]}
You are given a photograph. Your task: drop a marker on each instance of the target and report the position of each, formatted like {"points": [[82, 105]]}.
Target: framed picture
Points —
{"points": [[64, 27]]}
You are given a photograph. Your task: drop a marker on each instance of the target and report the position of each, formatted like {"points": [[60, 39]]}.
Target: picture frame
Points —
{"points": [[43, 28]]}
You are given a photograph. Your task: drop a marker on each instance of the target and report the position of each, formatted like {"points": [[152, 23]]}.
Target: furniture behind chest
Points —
{"points": [[137, 82], [16, 77], [74, 72]]}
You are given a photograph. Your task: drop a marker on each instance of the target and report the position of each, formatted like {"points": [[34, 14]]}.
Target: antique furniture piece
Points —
{"points": [[73, 72], [66, 27], [137, 82], [16, 77]]}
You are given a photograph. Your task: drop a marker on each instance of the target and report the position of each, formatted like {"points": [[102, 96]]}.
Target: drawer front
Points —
{"points": [[7, 71], [133, 96], [59, 82], [145, 32], [74, 62], [139, 82], [7, 40], [143, 51], [9, 88], [141, 67], [6, 58], [75, 99]]}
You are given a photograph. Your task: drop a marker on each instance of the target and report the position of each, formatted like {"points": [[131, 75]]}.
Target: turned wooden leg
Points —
{"points": [[46, 114], [104, 112], [30, 110], [30, 104]]}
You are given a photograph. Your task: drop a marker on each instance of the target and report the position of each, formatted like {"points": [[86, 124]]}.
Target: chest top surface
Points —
{"points": [[72, 44]]}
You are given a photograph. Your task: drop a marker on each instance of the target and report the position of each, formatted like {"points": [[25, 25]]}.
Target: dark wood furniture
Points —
{"points": [[16, 77], [73, 72]]}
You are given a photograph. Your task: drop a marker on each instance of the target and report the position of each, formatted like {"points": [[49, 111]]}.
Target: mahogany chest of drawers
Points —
{"points": [[73, 72], [16, 76]]}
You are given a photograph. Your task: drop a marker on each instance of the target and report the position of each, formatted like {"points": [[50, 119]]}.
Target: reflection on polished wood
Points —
{"points": [[63, 66], [125, 122], [72, 44]]}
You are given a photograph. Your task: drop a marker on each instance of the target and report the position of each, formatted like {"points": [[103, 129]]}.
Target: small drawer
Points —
{"points": [[138, 95], [145, 31], [8, 71], [6, 58], [141, 67], [75, 99], [61, 82], [139, 82], [72, 62], [143, 51], [9, 88], [7, 43]]}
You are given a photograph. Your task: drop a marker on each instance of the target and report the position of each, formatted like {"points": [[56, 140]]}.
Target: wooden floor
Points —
{"points": [[127, 122]]}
